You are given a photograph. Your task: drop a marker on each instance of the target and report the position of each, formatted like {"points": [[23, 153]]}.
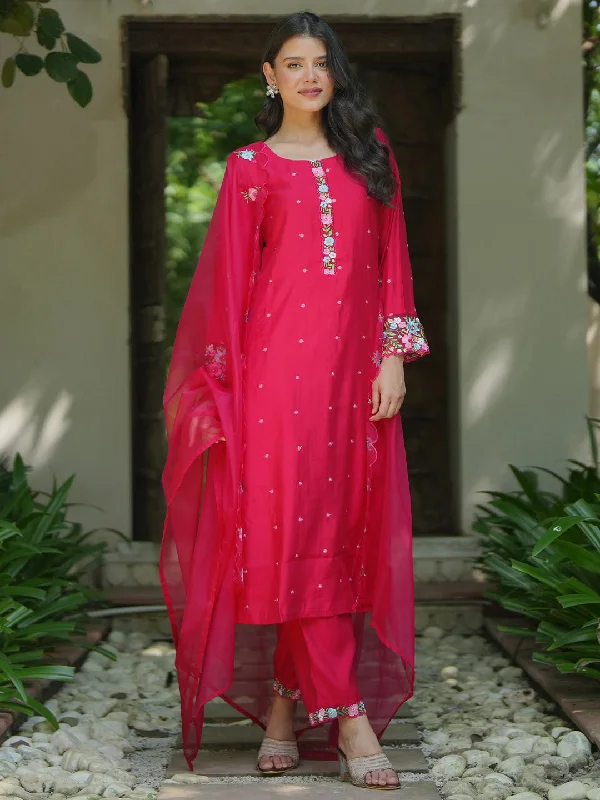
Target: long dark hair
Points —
{"points": [[349, 119]]}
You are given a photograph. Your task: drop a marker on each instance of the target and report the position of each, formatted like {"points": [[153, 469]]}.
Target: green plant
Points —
{"points": [[542, 550], [42, 559], [23, 19]]}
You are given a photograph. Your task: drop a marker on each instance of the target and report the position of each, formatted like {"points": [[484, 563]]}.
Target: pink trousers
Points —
{"points": [[315, 660]]}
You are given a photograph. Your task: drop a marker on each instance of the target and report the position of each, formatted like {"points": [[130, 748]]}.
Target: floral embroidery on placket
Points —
{"points": [[325, 204]]}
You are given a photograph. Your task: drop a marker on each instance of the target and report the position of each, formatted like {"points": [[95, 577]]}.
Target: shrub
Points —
{"points": [[42, 559], [542, 551]]}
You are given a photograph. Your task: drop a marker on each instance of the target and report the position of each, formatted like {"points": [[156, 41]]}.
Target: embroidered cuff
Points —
{"points": [[289, 694], [403, 335], [215, 364], [327, 714]]}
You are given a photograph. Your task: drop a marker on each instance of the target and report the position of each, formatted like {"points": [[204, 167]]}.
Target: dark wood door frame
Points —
{"points": [[171, 63]]}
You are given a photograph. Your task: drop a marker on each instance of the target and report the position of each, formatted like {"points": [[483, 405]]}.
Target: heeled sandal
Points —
{"points": [[356, 770], [274, 747]]}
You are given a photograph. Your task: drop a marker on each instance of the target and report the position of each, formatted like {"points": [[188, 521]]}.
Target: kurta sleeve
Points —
{"points": [[403, 333]]}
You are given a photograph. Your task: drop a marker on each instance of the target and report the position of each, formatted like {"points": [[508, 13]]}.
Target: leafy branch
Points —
{"points": [[26, 20]]}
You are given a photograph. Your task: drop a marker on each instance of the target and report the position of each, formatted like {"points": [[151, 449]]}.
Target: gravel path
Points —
{"points": [[486, 733]]}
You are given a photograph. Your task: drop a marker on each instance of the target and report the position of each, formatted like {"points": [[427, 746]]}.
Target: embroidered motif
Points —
{"points": [[326, 714], [251, 194], [215, 355], [290, 694], [403, 335], [325, 204], [248, 155]]}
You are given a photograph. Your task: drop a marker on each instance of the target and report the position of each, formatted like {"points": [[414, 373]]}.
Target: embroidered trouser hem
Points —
{"points": [[314, 659]]}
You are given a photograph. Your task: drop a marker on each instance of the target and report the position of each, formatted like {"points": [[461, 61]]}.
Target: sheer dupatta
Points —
{"points": [[203, 410]]}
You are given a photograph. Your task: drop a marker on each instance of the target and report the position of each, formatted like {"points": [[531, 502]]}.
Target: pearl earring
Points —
{"points": [[272, 90]]}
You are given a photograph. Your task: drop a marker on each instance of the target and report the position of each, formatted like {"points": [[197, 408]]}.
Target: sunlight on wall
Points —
{"points": [[24, 430], [489, 383]]}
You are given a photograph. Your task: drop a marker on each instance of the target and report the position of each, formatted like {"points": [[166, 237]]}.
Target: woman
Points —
{"points": [[286, 559]]}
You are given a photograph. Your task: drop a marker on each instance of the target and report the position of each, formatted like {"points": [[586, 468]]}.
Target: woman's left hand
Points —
{"points": [[389, 389]]}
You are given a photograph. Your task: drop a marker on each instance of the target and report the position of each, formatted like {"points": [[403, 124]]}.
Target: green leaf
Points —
{"points": [[42, 711], [573, 637], [584, 509], [80, 89], [572, 600], [559, 526], [52, 673], [44, 40], [8, 72], [8, 530], [15, 677], [61, 67], [83, 52], [29, 64], [25, 591], [20, 22], [536, 573], [581, 556], [50, 23], [25, 16], [514, 631]]}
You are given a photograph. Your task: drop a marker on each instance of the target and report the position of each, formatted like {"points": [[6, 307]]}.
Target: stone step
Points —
{"points": [[274, 789], [229, 764], [220, 711], [245, 736]]}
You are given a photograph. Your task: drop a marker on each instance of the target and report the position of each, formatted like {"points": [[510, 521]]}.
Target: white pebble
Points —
{"points": [[449, 767], [576, 748], [573, 790]]}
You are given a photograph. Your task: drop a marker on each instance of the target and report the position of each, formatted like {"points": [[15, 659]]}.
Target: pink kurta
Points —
{"points": [[311, 355], [303, 285]]}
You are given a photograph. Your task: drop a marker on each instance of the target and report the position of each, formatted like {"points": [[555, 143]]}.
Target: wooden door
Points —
{"points": [[148, 146], [411, 99]]}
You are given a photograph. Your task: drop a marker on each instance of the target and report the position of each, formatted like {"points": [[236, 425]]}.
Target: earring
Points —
{"points": [[272, 90]]}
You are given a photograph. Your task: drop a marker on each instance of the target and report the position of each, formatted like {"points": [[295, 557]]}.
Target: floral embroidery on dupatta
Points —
{"points": [[403, 335], [326, 202], [215, 355], [251, 194], [326, 714]]}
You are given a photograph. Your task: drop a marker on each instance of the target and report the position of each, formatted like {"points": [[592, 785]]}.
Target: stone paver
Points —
{"points": [[243, 763], [243, 736], [271, 790]]}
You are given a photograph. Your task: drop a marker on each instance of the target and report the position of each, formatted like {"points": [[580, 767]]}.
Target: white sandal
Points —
{"points": [[275, 747], [357, 769]]}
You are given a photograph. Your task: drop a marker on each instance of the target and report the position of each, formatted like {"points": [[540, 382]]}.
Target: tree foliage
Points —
{"points": [[27, 21], [198, 150]]}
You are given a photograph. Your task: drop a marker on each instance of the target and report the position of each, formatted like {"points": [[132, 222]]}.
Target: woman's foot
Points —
{"points": [[358, 740], [281, 728]]}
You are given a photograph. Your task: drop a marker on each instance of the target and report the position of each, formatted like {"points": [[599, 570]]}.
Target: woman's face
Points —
{"points": [[301, 74]]}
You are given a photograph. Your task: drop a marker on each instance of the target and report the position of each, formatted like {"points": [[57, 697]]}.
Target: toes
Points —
{"points": [[266, 763], [392, 778]]}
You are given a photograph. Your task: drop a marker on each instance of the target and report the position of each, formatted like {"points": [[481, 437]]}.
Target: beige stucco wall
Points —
{"points": [[518, 351]]}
